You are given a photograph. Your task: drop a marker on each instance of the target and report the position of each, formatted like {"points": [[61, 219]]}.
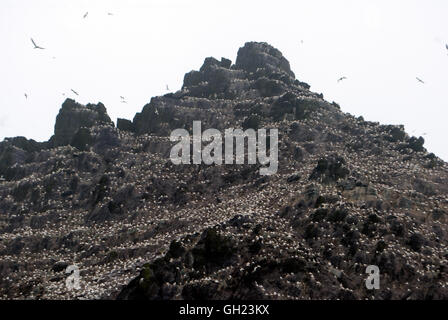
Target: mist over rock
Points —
{"points": [[348, 193]]}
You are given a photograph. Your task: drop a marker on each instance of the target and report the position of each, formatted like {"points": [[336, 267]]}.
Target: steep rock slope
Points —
{"points": [[348, 193]]}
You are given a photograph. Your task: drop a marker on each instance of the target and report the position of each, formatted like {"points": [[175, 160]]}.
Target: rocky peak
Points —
{"points": [[349, 193], [255, 55], [260, 70], [73, 116], [211, 62]]}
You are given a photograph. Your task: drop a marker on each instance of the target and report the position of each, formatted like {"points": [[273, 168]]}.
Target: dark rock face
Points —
{"points": [[17, 150], [82, 139], [416, 144], [256, 55], [74, 116], [348, 193], [330, 170], [211, 252], [125, 125], [396, 134], [105, 139]]}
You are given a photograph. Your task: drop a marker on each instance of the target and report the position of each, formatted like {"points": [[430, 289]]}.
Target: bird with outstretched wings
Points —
{"points": [[419, 80], [342, 78], [85, 15], [35, 45], [75, 92]]}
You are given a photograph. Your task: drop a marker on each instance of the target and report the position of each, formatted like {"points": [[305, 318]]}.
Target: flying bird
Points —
{"points": [[35, 45], [75, 92], [110, 14], [342, 78], [85, 15], [26, 96], [419, 80], [122, 98]]}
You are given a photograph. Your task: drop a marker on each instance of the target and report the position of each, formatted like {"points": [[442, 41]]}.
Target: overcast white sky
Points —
{"points": [[380, 46]]}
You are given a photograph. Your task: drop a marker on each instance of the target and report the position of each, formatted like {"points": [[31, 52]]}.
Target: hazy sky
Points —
{"points": [[380, 46]]}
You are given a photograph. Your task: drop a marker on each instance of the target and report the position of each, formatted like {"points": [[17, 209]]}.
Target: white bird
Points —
{"points": [[85, 15], [342, 78], [35, 45], [75, 92], [419, 80], [156, 112], [167, 89]]}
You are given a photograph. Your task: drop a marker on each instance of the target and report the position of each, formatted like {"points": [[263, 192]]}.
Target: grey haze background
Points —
{"points": [[380, 46]]}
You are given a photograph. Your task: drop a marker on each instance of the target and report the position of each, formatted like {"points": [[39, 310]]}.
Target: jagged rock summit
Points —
{"points": [[74, 116], [348, 193], [254, 56]]}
